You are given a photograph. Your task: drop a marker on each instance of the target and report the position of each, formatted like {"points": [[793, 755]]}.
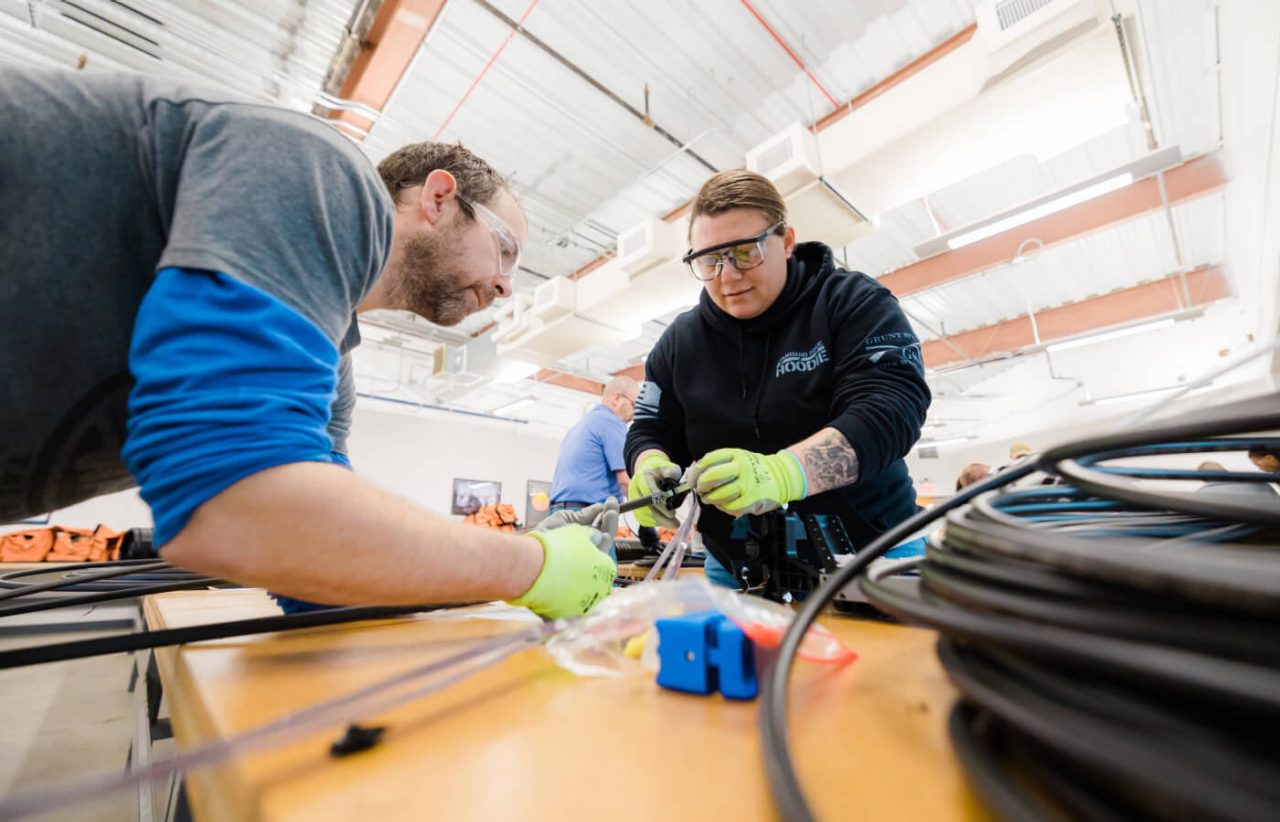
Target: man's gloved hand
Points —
{"points": [[576, 569], [743, 482], [596, 516], [652, 468]]}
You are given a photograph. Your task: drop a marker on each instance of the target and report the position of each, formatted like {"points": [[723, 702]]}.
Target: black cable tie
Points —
{"points": [[356, 739]]}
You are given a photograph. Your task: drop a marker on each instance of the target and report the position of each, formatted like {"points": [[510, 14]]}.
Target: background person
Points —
{"points": [[591, 468]]}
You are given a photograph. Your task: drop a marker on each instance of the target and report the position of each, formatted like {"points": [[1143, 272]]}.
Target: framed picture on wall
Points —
{"points": [[537, 499], [470, 495]]}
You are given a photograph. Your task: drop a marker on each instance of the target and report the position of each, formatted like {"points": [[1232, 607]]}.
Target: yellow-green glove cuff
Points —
{"points": [[788, 468]]}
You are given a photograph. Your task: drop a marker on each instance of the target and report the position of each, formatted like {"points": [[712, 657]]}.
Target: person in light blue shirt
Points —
{"points": [[591, 467]]}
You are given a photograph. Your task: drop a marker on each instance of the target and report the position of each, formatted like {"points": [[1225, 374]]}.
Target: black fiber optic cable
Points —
{"points": [[1065, 621], [75, 579], [130, 592], [779, 769], [199, 633]]}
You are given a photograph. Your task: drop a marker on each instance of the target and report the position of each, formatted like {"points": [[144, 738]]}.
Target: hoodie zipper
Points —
{"points": [[764, 375]]}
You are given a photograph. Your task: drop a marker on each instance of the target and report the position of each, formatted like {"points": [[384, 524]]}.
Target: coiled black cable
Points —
{"points": [[1115, 643]]}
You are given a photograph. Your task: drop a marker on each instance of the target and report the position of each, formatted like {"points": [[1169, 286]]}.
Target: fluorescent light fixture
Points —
{"points": [[1090, 339], [509, 371], [1164, 389], [512, 406], [1043, 210], [1132, 395], [1054, 201]]}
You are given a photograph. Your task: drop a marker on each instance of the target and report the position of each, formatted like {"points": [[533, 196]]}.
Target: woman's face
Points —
{"points": [[744, 294]]}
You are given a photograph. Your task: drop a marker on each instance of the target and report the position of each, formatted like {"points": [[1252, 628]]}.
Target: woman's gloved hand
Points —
{"points": [[576, 569], [743, 482], [649, 471]]}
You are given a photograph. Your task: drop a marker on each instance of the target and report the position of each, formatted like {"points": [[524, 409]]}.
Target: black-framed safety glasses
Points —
{"points": [[706, 264]]}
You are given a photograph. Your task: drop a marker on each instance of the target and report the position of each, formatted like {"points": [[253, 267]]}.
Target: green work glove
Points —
{"points": [[652, 468], [576, 569], [743, 482]]}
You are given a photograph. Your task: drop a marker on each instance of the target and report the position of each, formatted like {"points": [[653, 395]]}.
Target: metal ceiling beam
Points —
{"points": [[393, 38], [1188, 181], [911, 69], [635, 372], [552, 377], [577, 71], [1130, 305]]}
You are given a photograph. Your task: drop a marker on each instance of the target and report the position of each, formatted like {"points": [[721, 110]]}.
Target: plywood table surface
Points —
{"points": [[527, 740]]}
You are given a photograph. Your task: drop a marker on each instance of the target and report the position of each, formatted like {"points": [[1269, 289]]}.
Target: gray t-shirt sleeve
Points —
{"points": [[343, 406], [279, 201]]}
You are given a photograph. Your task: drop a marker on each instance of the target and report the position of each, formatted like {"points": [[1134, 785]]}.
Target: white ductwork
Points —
{"points": [[477, 363], [815, 207], [1012, 30], [545, 327], [1039, 77], [646, 280]]}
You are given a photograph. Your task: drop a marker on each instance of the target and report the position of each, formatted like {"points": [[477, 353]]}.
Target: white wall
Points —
{"points": [[416, 454], [119, 511], [944, 469]]}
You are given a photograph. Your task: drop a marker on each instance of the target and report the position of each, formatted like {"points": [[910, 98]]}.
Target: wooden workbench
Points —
{"points": [[527, 740]]}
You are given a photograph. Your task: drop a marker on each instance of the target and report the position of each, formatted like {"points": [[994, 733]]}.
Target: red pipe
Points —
{"points": [[795, 58], [484, 71]]}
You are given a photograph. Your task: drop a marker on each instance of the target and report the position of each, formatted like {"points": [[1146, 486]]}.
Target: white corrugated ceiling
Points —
{"points": [[556, 112]]}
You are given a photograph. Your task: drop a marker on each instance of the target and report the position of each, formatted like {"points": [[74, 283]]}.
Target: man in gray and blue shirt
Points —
{"points": [[179, 278]]}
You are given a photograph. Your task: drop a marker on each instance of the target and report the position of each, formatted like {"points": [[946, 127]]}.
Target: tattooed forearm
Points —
{"points": [[828, 459]]}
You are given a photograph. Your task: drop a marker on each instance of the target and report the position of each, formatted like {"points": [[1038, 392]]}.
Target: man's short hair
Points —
{"points": [[971, 473], [1209, 465], [739, 189], [410, 165], [620, 384], [1257, 452]]}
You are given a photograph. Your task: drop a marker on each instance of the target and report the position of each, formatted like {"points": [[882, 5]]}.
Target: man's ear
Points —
{"points": [[437, 189]]}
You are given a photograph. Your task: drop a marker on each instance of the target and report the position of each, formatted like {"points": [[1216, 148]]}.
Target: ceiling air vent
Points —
{"points": [[652, 242], [789, 159], [448, 361], [1012, 12], [774, 156], [927, 452], [635, 240]]}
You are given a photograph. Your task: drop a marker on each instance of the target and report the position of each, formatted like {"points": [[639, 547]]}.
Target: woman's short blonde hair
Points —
{"points": [[739, 189]]}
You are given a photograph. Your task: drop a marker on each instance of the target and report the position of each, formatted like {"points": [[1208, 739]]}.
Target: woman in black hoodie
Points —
{"points": [[793, 382]]}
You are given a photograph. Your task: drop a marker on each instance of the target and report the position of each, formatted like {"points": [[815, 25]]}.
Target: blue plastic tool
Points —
{"points": [[703, 652]]}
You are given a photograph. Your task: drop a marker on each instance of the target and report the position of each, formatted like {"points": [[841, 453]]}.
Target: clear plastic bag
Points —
{"points": [[596, 644]]}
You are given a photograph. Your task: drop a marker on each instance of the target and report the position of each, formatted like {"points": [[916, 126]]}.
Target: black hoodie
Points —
{"points": [[834, 350]]}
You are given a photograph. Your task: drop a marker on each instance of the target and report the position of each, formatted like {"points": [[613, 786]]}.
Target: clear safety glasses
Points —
{"points": [[744, 255]]}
